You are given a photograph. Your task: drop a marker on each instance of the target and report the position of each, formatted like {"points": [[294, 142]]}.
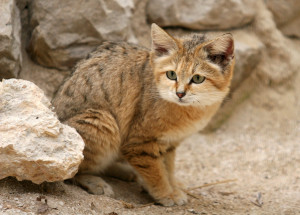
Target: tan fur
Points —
{"points": [[125, 108]]}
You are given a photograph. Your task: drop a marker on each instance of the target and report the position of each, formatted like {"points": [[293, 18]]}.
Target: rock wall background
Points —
{"points": [[41, 41]]}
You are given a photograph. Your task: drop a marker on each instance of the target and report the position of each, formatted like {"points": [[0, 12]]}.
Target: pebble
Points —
{"points": [[192, 211], [169, 209], [61, 203]]}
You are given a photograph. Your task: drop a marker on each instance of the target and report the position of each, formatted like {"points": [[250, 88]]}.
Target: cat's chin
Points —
{"points": [[190, 103], [183, 103]]}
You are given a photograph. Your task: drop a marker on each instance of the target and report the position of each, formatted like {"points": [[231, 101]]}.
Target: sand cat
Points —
{"points": [[133, 104]]}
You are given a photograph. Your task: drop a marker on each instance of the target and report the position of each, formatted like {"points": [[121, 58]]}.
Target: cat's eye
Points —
{"points": [[197, 79], [171, 75]]}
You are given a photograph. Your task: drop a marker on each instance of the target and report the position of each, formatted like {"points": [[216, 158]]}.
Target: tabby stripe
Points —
{"points": [[213, 83], [170, 149], [145, 166], [144, 65], [106, 96], [91, 117], [121, 88], [148, 141], [146, 154], [82, 122], [93, 111], [68, 92]]}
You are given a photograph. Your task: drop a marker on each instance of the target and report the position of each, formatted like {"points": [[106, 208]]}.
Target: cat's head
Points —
{"points": [[192, 70]]}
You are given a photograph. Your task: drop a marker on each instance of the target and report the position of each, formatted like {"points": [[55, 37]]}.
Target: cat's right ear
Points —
{"points": [[162, 42]]}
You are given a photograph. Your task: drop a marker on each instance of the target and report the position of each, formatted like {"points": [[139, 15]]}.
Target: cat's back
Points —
{"points": [[110, 78]]}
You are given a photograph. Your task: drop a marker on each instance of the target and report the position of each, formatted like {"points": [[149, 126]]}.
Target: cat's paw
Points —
{"points": [[102, 189], [178, 197], [94, 185]]}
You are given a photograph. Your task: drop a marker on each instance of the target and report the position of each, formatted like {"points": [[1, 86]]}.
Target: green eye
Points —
{"points": [[197, 79], [171, 75]]}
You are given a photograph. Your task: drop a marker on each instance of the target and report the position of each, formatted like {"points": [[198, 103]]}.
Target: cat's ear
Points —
{"points": [[220, 50], [162, 42]]}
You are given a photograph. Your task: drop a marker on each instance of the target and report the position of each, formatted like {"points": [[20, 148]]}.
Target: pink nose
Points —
{"points": [[180, 94]]}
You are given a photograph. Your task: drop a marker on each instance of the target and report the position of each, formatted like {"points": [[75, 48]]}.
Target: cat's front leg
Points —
{"points": [[169, 161], [149, 162]]}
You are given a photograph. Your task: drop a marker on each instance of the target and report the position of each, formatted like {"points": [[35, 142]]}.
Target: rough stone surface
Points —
{"points": [[10, 39], [66, 31], [34, 145], [201, 14], [47, 79], [248, 51], [286, 15], [292, 28], [280, 60]]}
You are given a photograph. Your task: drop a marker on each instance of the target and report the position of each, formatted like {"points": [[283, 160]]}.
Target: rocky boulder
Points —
{"points": [[10, 39], [65, 31], [280, 61], [201, 14], [248, 51], [286, 15], [34, 145]]}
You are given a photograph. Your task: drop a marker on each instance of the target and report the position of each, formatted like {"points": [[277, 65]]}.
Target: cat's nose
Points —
{"points": [[180, 94]]}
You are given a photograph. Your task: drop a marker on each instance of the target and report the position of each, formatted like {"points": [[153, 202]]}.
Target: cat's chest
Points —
{"points": [[178, 133]]}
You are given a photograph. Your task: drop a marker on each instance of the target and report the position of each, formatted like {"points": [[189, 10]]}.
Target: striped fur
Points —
{"points": [[121, 102]]}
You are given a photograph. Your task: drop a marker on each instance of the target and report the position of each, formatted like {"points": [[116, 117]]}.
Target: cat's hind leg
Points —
{"points": [[121, 170], [101, 136]]}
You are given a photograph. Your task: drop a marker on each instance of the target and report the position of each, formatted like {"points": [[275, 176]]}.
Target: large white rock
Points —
{"points": [[201, 14], [34, 145], [66, 31], [10, 39]]}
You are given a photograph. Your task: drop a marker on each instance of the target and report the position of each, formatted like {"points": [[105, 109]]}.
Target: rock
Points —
{"points": [[201, 14], [140, 26], [292, 28], [248, 51], [280, 60], [10, 39], [45, 78], [66, 31], [34, 145], [283, 11], [286, 15]]}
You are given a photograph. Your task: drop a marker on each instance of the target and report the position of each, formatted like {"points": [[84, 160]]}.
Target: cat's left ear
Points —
{"points": [[162, 42], [221, 50]]}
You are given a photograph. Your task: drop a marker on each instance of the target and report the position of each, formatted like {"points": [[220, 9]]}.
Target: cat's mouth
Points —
{"points": [[182, 102]]}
